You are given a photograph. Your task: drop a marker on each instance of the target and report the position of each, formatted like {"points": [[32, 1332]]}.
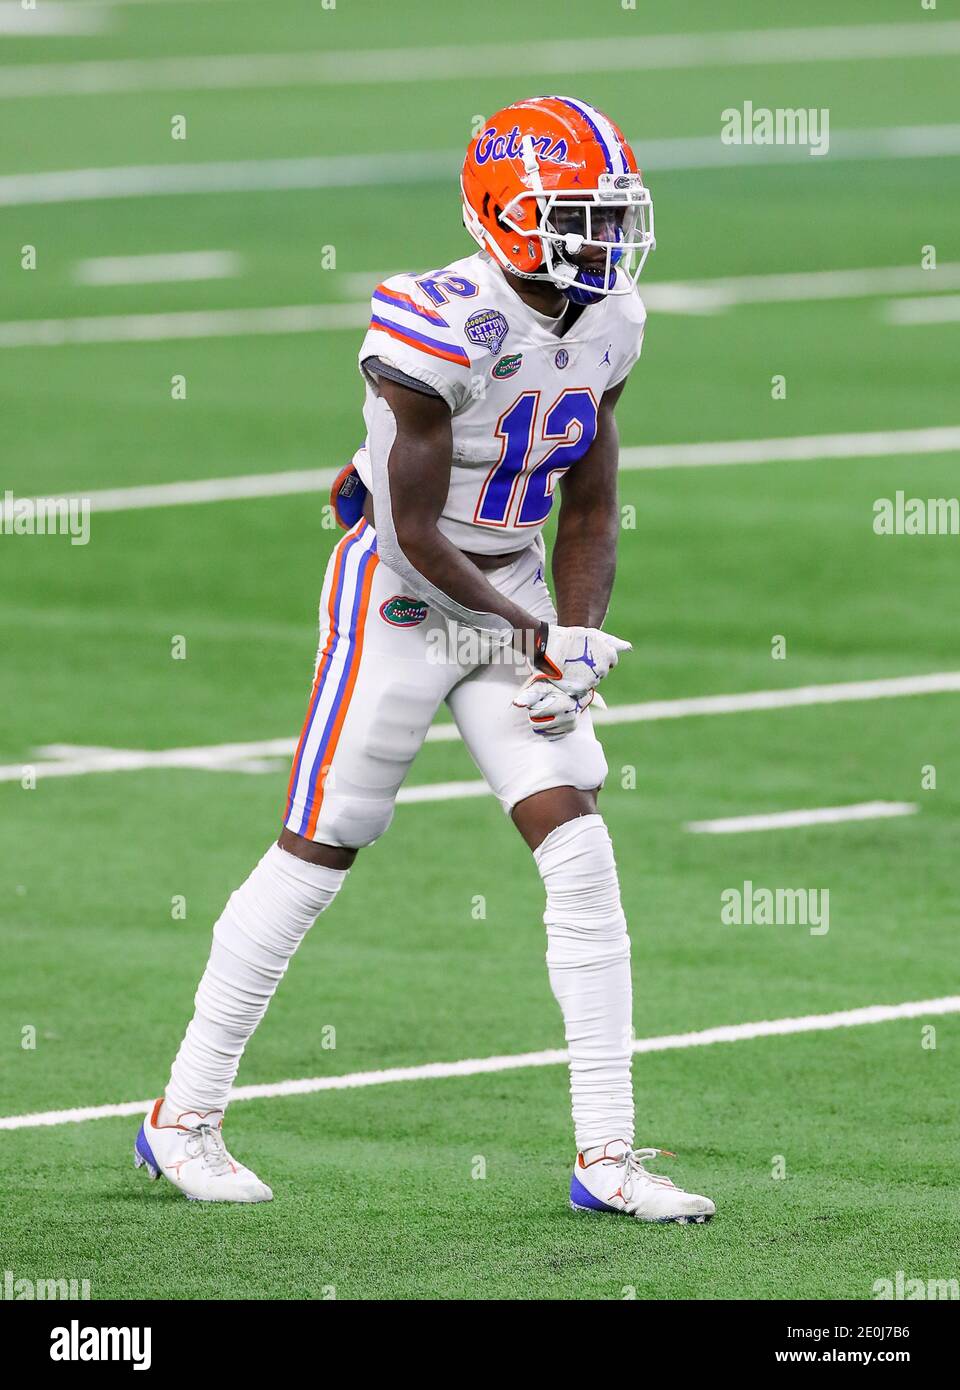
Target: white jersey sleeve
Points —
{"points": [[410, 332]]}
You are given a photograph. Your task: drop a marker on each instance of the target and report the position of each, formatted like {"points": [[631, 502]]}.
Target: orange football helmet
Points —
{"points": [[547, 182]]}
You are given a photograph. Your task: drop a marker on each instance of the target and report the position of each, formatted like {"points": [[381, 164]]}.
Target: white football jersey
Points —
{"points": [[524, 400]]}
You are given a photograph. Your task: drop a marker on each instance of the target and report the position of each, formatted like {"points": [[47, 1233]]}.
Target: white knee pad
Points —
{"points": [[353, 822]]}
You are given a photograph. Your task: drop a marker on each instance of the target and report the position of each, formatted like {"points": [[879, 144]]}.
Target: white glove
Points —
{"points": [[551, 711], [577, 658]]}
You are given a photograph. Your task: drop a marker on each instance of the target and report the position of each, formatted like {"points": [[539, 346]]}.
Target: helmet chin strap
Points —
{"points": [[531, 166], [563, 274], [579, 286]]}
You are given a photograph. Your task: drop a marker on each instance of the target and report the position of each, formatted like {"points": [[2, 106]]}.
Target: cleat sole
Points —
{"points": [[143, 1156], [140, 1162], [700, 1220]]}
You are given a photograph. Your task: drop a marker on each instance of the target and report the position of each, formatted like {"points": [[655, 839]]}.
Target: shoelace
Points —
{"points": [[207, 1145], [635, 1172]]}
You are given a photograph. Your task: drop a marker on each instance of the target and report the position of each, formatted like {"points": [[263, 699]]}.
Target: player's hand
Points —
{"points": [[577, 658], [551, 711]]}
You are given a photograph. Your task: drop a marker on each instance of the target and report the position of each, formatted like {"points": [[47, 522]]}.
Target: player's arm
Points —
{"points": [[418, 475], [585, 550]]}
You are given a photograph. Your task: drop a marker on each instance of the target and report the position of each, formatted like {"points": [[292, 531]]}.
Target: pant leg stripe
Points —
{"points": [[341, 699], [323, 666]]}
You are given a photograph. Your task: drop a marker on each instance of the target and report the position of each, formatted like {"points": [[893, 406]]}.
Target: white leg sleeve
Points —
{"points": [[260, 928], [588, 959]]}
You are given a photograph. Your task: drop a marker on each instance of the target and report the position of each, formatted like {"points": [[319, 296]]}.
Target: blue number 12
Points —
{"points": [[528, 493]]}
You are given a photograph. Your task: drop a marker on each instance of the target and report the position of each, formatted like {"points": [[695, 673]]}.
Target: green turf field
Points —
{"points": [[375, 1187]]}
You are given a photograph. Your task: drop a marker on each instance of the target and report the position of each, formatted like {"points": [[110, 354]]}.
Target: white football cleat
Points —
{"points": [[192, 1155], [617, 1181]]}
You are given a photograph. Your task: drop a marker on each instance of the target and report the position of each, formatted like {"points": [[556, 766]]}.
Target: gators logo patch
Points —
{"points": [[508, 366], [403, 612]]}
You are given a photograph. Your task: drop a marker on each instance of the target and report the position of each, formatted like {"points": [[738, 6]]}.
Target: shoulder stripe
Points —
{"points": [[398, 300], [448, 351]]}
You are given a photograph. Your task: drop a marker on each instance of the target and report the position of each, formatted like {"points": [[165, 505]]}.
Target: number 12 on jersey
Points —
{"points": [[512, 487]]}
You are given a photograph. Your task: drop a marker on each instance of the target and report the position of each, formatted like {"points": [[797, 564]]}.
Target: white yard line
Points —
{"points": [[235, 176], [670, 297], [171, 267], [781, 287], [117, 4], [788, 820], [442, 791], [793, 697], [431, 166], [914, 311], [727, 292], [123, 499], [49, 20], [681, 296], [77, 760], [69, 760], [713, 296], [639, 458], [484, 1066], [518, 58], [794, 448], [271, 755], [182, 325]]}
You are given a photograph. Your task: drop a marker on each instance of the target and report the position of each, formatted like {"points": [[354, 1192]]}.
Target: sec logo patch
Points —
{"points": [[403, 612]]}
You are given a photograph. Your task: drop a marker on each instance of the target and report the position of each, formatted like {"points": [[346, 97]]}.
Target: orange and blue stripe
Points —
{"points": [[398, 300], [449, 352], [617, 154], [355, 561]]}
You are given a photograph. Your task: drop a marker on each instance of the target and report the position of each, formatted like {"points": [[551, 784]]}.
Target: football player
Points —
{"points": [[491, 384]]}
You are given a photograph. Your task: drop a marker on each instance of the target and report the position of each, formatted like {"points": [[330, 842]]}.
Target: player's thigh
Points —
{"points": [[374, 696], [516, 761]]}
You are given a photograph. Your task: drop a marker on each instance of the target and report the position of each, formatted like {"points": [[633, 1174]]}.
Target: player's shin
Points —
{"points": [[258, 932], [588, 959]]}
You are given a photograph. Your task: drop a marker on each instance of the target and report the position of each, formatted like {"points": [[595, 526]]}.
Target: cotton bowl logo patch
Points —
{"points": [[508, 366], [487, 328], [403, 612]]}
